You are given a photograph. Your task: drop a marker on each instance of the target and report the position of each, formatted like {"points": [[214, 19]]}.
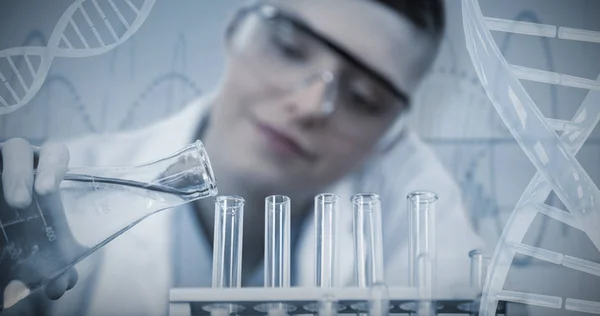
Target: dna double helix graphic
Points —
{"points": [[87, 28], [550, 144]]}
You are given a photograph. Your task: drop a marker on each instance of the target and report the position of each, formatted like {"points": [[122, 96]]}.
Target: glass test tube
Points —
{"points": [[277, 250], [227, 249], [277, 241], [368, 239], [422, 253], [227, 243], [328, 306], [326, 209], [479, 268], [379, 304]]}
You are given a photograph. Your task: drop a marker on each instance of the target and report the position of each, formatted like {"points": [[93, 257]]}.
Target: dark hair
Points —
{"points": [[427, 15]]}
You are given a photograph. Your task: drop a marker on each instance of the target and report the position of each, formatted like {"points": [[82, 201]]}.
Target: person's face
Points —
{"points": [[295, 113]]}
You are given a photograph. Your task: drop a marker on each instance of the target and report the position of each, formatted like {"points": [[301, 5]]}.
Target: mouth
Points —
{"points": [[284, 143]]}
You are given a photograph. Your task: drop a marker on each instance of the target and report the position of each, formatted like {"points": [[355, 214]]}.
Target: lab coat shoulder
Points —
{"points": [[109, 149], [413, 166], [138, 146]]}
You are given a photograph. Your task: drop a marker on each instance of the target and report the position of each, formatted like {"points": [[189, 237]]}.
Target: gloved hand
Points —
{"points": [[24, 186]]}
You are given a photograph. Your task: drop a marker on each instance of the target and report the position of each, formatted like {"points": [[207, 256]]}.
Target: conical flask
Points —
{"points": [[92, 207]]}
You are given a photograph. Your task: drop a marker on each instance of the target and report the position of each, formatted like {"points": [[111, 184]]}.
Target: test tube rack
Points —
{"points": [[193, 301], [369, 295]]}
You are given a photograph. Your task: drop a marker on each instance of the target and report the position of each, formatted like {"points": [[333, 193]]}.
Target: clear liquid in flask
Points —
{"points": [[92, 207]]}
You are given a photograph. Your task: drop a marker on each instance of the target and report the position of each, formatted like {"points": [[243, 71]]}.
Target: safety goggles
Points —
{"points": [[291, 57]]}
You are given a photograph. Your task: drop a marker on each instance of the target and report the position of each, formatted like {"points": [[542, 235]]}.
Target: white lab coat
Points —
{"points": [[132, 274]]}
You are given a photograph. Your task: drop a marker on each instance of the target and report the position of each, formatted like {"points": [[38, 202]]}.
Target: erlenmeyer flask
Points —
{"points": [[92, 207]]}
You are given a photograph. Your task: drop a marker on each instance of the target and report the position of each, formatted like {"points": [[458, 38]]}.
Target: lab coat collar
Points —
{"points": [[182, 128]]}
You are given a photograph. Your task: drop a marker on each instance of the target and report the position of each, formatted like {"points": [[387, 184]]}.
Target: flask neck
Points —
{"points": [[186, 174]]}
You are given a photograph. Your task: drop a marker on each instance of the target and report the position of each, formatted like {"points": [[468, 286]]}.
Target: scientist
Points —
{"points": [[312, 99]]}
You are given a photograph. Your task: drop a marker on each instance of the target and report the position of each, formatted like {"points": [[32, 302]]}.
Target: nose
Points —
{"points": [[316, 97]]}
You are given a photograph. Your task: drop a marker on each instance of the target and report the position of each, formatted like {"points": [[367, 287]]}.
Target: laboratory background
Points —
{"points": [[177, 55]]}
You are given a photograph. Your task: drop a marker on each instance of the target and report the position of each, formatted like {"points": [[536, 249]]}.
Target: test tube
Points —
{"points": [[227, 243], [479, 268], [277, 249], [326, 205], [328, 306], [277, 241], [368, 243], [368, 239], [421, 230], [421, 218], [227, 248], [379, 304], [326, 209]]}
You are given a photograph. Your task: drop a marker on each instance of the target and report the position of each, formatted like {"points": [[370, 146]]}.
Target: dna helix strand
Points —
{"points": [[551, 154], [87, 28]]}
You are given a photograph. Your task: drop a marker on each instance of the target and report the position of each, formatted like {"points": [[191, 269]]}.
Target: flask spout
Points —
{"points": [[189, 173]]}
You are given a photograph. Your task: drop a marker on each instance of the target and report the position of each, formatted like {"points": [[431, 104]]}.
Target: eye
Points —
{"points": [[286, 39], [365, 99], [290, 49], [365, 105]]}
